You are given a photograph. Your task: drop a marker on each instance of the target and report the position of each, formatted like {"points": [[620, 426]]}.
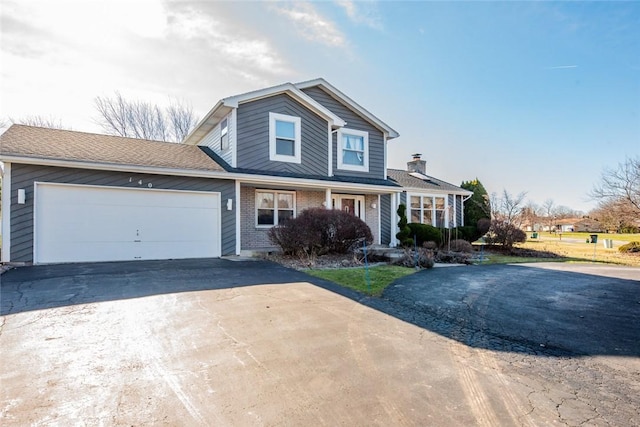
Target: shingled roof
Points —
{"points": [[410, 180], [56, 144]]}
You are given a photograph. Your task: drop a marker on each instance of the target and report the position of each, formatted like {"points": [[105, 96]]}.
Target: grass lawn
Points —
{"points": [[380, 277], [582, 252], [509, 259], [583, 236]]}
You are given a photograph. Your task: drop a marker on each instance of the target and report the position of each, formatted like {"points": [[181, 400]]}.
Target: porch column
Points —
{"points": [[327, 199]]}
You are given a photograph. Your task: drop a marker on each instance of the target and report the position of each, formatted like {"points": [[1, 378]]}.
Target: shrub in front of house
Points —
{"points": [[505, 234], [404, 232], [629, 248], [461, 245], [319, 231], [466, 232], [425, 233]]}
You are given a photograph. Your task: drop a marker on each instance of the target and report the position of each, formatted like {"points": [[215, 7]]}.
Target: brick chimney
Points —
{"points": [[417, 165]]}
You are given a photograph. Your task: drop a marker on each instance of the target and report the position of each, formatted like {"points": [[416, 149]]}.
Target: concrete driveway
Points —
{"points": [[216, 342]]}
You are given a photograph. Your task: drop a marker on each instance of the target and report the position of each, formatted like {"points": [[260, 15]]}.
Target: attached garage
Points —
{"points": [[80, 223]]}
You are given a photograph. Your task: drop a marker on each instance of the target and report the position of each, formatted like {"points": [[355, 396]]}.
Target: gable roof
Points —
{"points": [[331, 90], [36, 143], [418, 181], [225, 105]]}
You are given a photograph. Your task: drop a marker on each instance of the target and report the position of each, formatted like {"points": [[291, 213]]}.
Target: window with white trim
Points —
{"points": [[274, 207], [440, 207], [427, 210], [224, 134], [284, 138], [353, 150]]}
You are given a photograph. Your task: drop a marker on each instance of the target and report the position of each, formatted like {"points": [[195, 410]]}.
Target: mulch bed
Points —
{"points": [[323, 261]]}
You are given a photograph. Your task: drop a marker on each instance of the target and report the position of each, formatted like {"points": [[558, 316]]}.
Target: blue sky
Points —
{"points": [[526, 96]]}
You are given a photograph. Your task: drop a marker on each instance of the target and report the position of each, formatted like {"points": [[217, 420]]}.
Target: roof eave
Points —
{"points": [[118, 167], [210, 121], [391, 133], [235, 101]]}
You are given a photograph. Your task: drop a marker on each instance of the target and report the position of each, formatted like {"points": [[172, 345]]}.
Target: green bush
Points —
{"points": [[404, 233], [466, 232], [425, 233], [629, 248]]}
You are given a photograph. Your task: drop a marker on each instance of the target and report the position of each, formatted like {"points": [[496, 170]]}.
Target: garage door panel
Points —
{"points": [[87, 223]]}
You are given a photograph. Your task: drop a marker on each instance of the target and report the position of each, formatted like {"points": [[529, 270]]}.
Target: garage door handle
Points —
{"points": [[138, 241]]}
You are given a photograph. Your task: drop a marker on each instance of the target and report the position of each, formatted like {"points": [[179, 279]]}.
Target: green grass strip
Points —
{"points": [[354, 278]]}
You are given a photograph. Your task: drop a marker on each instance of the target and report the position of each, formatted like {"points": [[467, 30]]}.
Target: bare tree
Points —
{"points": [[182, 119], [38, 121], [531, 215], [508, 207], [621, 184], [138, 119], [548, 209]]}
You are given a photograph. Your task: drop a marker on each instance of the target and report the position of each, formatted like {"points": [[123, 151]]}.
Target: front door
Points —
{"points": [[353, 205]]}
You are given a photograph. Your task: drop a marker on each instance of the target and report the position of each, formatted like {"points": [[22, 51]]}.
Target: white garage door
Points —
{"points": [[76, 223]]}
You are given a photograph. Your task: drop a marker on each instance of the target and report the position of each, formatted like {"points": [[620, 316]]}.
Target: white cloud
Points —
{"points": [[248, 53], [363, 13], [312, 25], [57, 56]]}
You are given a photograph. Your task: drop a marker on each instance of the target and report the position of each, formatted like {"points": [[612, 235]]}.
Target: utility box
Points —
{"points": [[608, 243], [594, 238]]}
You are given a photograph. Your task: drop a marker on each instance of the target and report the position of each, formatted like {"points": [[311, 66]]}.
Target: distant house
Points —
{"points": [[254, 161], [588, 225]]}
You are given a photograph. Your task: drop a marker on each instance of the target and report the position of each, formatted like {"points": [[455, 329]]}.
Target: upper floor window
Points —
{"points": [[224, 134], [353, 150], [284, 138]]}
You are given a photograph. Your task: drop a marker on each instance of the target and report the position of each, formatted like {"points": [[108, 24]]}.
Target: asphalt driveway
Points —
{"points": [[577, 309], [218, 342]]}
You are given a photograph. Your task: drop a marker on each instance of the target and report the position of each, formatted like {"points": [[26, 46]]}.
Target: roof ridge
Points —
{"points": [[104, 135]]}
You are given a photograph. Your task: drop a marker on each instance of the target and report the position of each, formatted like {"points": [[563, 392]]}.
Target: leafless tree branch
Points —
{"points": [[143, 120]]}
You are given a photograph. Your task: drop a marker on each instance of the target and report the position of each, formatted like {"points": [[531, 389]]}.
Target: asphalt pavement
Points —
{"points": [[220, 342]]}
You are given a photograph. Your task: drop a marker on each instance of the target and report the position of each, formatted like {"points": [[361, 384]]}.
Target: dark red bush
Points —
{"points": [[319, 231]]}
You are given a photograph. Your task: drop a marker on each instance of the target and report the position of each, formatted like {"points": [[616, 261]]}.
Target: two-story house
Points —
{"points": [[255, 160]]}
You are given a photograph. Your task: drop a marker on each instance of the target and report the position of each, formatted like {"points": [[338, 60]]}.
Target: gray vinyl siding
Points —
{"points": [[385, 219], [403, 198], [253, 137], [212, 140], [460, 210], [357, 122], [24, 176]]}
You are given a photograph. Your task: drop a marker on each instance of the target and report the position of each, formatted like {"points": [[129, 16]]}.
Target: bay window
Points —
{"points": [[427, 210]]}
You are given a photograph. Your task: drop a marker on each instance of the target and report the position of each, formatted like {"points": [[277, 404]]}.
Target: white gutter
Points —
{"points": [[244, 177]]}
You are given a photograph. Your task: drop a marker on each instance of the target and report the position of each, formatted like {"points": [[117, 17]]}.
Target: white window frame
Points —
{"points": [[297, 146], [224, 131], [275, 206], [365, 137], [433, 207]]}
